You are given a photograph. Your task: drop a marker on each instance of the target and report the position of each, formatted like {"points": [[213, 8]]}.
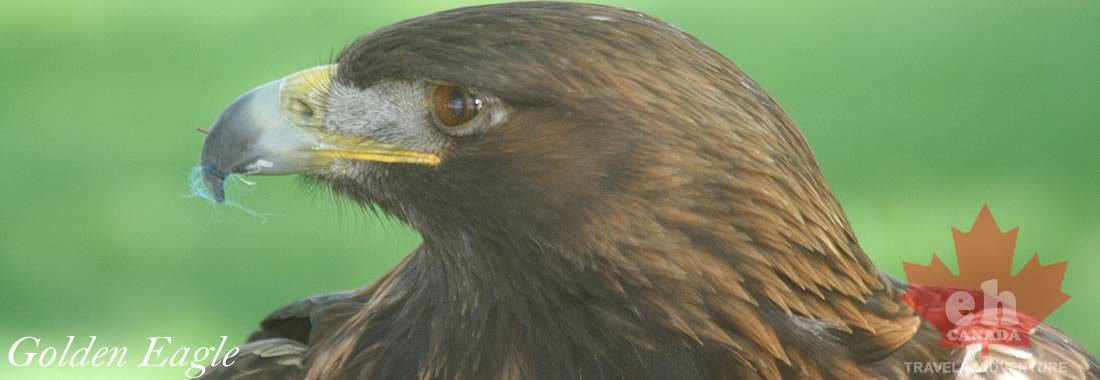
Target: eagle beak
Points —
{"points": [[277, 129]]}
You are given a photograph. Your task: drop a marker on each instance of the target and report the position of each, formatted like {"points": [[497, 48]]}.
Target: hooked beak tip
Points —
{"points": [[215, 183]]}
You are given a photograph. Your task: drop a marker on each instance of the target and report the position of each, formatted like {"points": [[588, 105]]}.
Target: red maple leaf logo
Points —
{"points": [[985, 303]]}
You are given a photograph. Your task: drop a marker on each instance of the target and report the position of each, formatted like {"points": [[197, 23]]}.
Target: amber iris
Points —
{"points": [[454, 106]]}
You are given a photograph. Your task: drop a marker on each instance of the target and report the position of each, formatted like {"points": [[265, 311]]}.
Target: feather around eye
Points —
{"points": [[454, 106]]}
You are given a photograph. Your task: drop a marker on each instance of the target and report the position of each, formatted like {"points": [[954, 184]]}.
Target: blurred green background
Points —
{"points": [[919, 111]]}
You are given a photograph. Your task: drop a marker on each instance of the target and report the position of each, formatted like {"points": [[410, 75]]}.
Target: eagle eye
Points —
{"points": [[454, 106]]}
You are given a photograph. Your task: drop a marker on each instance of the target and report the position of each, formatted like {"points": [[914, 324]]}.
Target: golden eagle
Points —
{"points": [[600, 196]]}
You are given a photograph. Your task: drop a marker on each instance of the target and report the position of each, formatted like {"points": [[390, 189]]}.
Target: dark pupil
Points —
{"points": [[457, 104]]}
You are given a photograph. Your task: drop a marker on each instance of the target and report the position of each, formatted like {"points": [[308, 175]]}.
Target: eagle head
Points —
{"points": [[521, 120]]}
